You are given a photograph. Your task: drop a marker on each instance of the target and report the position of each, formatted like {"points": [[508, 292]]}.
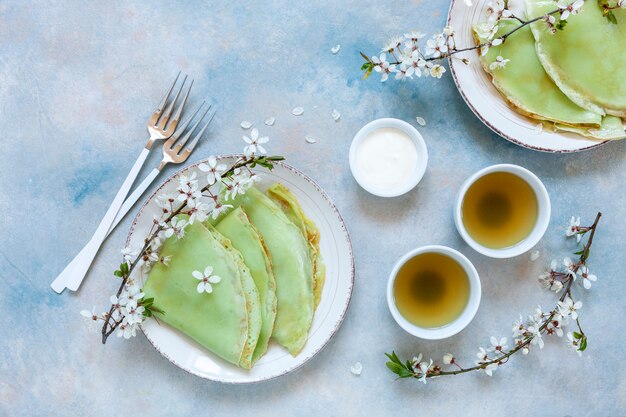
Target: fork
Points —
{"points": [[171, 154], [158, 128]]}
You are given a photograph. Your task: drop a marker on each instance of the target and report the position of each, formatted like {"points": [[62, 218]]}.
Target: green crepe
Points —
{"points": [[219, 320], [586, 60], [292, 266], [291, 207], [253, 304], [525, 84], [245, 238]]}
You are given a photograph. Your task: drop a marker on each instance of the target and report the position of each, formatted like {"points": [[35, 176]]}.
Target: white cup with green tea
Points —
{"points": [[502, 211], [433, 292]]}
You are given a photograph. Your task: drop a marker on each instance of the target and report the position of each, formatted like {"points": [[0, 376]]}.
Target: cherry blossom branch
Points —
{"points": [[564, 308], [410, 60], [110, 323]]}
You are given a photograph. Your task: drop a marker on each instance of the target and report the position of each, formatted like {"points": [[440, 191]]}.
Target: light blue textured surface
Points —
{"points": [[77, 83]]}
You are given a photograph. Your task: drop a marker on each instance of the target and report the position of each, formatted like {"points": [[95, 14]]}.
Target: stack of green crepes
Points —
{"points": [[574, 79], [266, 252]]}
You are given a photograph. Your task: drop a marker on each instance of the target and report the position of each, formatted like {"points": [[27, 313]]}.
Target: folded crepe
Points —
{"points": [[291, 264], [524, 83], [218, 321], [245, 238], [253, 303], [586, 60], [291, 207]]}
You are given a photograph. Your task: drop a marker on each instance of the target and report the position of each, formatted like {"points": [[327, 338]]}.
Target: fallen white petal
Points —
{"points": [[534, 255], [298, 111], [270, 121], [420, 121], [356, 368], [539, 127], [246, 124], [336, 115], [335, 49], [310, 139]]}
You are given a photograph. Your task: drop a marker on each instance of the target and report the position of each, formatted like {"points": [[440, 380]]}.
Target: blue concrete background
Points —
{"points": [[78, 81]]}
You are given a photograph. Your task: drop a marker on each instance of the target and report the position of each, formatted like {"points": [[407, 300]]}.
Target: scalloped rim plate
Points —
{"points": [[336, 250], [486, 102]]}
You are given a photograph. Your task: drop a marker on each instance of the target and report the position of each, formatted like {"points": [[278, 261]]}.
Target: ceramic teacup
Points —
{"points": [[543, 213], [455, 325]]}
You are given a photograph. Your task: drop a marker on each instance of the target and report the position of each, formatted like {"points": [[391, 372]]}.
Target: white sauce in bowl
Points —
{"points": [[386, 159]]}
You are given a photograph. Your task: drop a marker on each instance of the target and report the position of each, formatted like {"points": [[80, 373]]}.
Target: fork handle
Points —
{"points": [[58, 285], [91, 249]]}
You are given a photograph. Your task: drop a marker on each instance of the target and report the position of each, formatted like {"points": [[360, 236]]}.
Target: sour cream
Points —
{"points": [[388, 159]]}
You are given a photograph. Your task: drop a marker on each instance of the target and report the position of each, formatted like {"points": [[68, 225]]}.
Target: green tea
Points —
{"points": [[431, 290], [499, 210]]}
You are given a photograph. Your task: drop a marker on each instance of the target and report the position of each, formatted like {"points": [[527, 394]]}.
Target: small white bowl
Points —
{"points": [[543, 217], [460, 322], [422, 156]]}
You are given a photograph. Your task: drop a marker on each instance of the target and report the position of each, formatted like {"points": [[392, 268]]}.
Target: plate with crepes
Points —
{"points": [[501, 112], [204, 345]]}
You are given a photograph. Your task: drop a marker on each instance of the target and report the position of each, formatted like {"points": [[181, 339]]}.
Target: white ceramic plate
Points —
{"points": [[336, 250], [486, 102]]}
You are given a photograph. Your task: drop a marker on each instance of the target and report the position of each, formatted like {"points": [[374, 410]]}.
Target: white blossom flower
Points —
{"points": [[437, 71], [485, 48], [573, 228], [436, 46], [497, 344], [423, 368], [91, 315], [393, 44], [132, 312], [213, 169], [482, 355], [568, 308], [176, 227], [573, 343], [126, 329], [535, 333], [490, 368], [382, 66], [190, 181], [519, 328], [569, 8], [129, 254], [206, 279], [416, 360], [569, 267], [188, 192], [583, 271], [219, 209], [411, 40], [499, 63], [448, 31], [555, 325], [486, 30], [198, 210], [116, 305], [496, 10], [414, 64], [550, 22], [165, 260], [130, 293], [255, 143], [448, 358]]}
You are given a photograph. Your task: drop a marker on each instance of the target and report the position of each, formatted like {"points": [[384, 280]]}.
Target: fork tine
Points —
{"points": [[196, 139], [161, 106], [180, 108], [180, 129], [188, 134], [166, 116]]}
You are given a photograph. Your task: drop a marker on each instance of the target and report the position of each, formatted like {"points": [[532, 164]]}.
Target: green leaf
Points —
{"points": [[583, 344], [395, 368], [405, 373], [118, 273], [124, 268], [367, 74], [561, 25], [577, 335], [580, 252], [365, 57], [611, 16]]}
